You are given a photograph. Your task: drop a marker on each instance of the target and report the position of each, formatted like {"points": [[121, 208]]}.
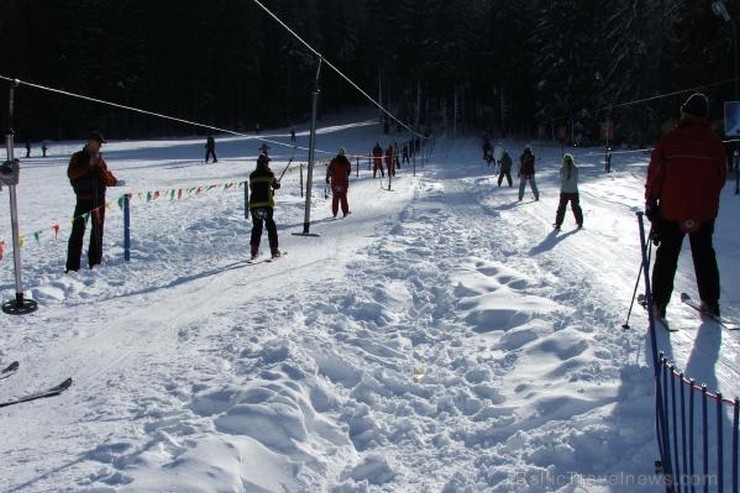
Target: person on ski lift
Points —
{"points": [[337, 177], [687, 171], [505, 171], [569, 192], [389, 164], [526, 173], [378, 160], [262, 186]]}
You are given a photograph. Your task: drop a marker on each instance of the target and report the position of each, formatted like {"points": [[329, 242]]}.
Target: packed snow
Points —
{"points": [[443, 337]]}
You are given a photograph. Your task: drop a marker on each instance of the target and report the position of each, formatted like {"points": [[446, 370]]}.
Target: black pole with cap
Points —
{"points": [[311, 153], [9, 173]]}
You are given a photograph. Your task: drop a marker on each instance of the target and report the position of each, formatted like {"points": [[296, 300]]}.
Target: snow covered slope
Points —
{"points": [[441, 338]]}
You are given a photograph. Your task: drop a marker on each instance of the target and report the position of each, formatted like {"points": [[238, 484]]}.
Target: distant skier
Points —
{"points": [[44, 148], [405, 154], [378, 160], [211, 149], [396, 156], [262, 186], [264, 148], [687, 171], [505, 171], [569, 192], [389, 164], [89, 176], [337, 177], [28, 148], [526, 173], [487, 150], [292, 134]]}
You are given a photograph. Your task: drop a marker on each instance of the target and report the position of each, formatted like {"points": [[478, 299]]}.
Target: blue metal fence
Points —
{"points": [[688, 414]]}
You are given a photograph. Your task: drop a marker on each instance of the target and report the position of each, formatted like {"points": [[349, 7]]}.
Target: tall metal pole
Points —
{"points": [[736, 153], [18, 306], [311, 153]]}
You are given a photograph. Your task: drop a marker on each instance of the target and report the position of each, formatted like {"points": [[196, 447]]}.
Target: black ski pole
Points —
{"points": [[626, 324], [290, 161]]}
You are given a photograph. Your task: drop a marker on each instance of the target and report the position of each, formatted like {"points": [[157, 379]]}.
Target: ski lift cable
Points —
{"points": [[339, 72], [666, 95], [152, 113]]}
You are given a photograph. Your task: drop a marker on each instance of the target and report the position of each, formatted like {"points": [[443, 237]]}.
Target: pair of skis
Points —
{"points": [[696, 306], [259, 259], [688, 301], [54, 391]]}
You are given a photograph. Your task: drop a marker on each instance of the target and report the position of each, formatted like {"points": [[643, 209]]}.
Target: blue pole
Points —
{"points": [[705, 447], [127, 227], [691, 437], [735, 445], [660, 397], [674, 413], [648, 288], [667, 428], [683, 424], [720, 447]]}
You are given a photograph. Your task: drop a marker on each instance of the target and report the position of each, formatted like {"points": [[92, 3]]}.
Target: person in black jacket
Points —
{"points": [[89, 175], [378, 160], [526, 174], [505, 171], [262, 186], [211, 149]]}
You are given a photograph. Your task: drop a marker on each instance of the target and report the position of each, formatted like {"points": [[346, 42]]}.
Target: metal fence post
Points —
{"points": [[127, 227]]}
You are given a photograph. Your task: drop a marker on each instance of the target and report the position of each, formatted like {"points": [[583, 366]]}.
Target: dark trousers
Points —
{"points": [[337, 198], [262, 217], [378, 166], [211, 153], [575, 205], [96, 209], [506, 174], [705, 263]]}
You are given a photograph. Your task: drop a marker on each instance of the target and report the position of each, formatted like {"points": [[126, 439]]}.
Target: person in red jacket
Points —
{"points": [[89, 177], [687, 171], [337, 176]]}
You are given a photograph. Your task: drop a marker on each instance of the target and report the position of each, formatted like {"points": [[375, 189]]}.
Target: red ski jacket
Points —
{"points": [[338, 172], [687, 171]]}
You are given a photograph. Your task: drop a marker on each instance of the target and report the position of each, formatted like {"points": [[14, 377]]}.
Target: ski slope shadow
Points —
{"points": [[47, 475], [240, 264], [550, 241]]}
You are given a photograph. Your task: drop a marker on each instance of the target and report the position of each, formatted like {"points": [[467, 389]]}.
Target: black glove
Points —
{"points": [[656, 233], [276, 185], [652, 210]]}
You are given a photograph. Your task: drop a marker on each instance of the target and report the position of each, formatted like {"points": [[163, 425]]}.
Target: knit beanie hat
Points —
{"points": [[697, 104]]}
